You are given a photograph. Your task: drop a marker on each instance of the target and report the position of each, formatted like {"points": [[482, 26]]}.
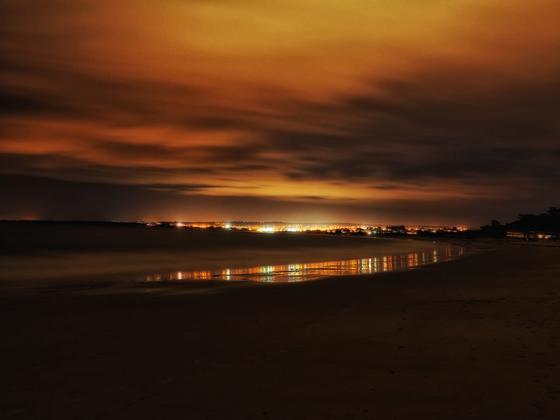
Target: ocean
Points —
{"points": [[42, 253]]}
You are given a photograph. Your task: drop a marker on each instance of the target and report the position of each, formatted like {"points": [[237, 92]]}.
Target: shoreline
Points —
{"points": [[476, 337], [58, 266]]}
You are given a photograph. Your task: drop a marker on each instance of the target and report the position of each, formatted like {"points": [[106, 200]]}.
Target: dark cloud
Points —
{"points": [[177, 188], [68, 94], [64, 167], [417, 132], [12, 103]]}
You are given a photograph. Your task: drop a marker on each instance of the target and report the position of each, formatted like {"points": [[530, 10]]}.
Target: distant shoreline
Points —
{"points": [[61, 254]]}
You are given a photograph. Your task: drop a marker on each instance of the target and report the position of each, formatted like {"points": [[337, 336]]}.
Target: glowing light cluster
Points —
{"points": [[343, 228], [266, 229]]}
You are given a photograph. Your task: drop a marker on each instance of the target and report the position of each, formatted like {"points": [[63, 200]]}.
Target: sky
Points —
{"points": [[380, 111]]}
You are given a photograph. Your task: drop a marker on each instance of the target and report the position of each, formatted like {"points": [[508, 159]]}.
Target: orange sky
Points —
{"points": [[356, 104]]}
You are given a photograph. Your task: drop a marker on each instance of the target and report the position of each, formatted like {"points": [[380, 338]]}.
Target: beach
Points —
{"points": [[477, 337], [280, 210], [45, 255]]}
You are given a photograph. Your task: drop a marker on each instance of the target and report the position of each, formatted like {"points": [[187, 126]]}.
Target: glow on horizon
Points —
{"points": [[279, 227], [244, 109]]}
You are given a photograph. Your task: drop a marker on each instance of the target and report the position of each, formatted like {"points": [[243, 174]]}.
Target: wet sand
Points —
{"points": [[476, 338]]}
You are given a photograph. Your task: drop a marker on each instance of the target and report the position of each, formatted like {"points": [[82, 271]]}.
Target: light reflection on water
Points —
{"points": [[297, 272]]}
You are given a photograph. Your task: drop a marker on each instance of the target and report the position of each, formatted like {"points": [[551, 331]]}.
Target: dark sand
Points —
{"points": [[473, 338]]}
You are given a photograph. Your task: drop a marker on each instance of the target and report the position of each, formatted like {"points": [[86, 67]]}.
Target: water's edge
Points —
{"points": [[298, 272]]}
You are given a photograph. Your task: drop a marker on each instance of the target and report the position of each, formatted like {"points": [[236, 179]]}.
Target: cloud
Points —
{"points": [[419, 111], [424, 130], [43, 198]]}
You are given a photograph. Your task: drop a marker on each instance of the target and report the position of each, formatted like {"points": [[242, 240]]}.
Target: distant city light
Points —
{"points": [[266, 229], [332, 228]]}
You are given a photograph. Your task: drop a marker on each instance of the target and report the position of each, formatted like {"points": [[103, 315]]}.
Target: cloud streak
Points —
{"points": [[423, 107]]}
